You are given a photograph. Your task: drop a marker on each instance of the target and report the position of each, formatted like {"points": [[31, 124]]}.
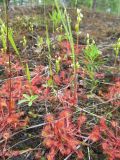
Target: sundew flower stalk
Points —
{"points": [[77, 26], [66, 21]]}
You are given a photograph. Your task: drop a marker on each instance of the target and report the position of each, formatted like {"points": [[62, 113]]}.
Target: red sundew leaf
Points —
{"points": [[17, 67], [95, 134], [64, 150], [104, 146], [51, 155], [14, 118], [65, 117], [68, 97], [62, 74], [81, 72], [6, 135], [72, 100], [117, 154], [80, 155], [78, 48], [36, 90], [103, 126], [10, 153], [117, 103], [100, 75], [36, 80], [66, 81], [68, 62], [65, 114], [3, 103], [107, 150], [81, 120], [49, 117], [15, 153], [114, 124], [49, 142], [111, 144], [39, 69], [65, 45], [46, 92], [59, 124], [38, 155], [57, 129], [57, 79], [73, 143], [25, 122], [114, 92], [61, 135], [47, 132], [12, 105]]}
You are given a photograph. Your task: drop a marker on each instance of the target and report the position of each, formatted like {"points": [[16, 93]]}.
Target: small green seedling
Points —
{"points": [[28, 99], [27, 71], [24, 41], [31, 28], [57, 64], [39, 41], [116, 47]]}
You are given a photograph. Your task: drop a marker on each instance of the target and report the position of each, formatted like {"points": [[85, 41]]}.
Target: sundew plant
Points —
{"points": [[59, 89]]}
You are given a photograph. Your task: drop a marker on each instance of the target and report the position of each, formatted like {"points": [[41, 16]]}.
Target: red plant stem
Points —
{"points": [[75, 88], [75, 76], [8, 52], [3, 126]]}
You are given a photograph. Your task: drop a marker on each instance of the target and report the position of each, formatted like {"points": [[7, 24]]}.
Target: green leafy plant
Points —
{"points": [[28, 99], [116, 47], [31, 27], [57, 64], [92, 61], [10, 37], [55, 18], [39, 41], [2, 37]]}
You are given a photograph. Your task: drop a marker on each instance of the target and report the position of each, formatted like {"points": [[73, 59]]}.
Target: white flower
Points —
{"points": [[88, 36], [78, 11], [81, 15]]}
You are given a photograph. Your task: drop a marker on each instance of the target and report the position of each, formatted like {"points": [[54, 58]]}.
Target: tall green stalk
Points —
{"points": [[67, 26], [9, 54], [66, 21], [48, 42]]}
